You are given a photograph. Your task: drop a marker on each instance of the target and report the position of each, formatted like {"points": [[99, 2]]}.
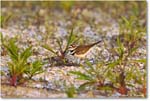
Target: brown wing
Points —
{"points": [[82, 49]]}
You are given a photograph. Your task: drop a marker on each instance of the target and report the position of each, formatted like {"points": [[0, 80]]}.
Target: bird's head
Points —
{"points": [[71, 49]]}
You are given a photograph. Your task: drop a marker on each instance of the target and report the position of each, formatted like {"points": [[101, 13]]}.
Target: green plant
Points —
{"points": [[18, 64], [2, 38], [126, 50], [2, 73], [70, 91], [66, 5], [34, 69], [94, 76], [4, 20], [123, 70], [2, 49], [61, 52]]}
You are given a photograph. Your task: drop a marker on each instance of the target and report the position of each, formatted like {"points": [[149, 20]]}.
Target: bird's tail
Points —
{"points": [[96, 43]]}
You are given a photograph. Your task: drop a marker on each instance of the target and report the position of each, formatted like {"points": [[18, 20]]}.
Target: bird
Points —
{"points": [[82, 50]]}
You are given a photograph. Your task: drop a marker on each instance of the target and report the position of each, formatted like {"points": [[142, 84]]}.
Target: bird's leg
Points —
{"points": [[82, 60], [78, 61]]}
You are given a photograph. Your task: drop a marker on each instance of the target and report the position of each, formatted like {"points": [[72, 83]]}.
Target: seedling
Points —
{"points": [[18, 63], [4, 20], [61, 53], [93, 76], [70, 91], [34, 69], [118, 72]]}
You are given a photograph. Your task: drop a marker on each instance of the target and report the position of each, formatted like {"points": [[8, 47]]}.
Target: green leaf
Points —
{"points": [[82, 86], [75, 40], [5, 19], [2, 38], [34, 69], [140, 60], [60, 45], [81, 76], [124, 19], [89, 64], [69, 40], [131, 85], [49, 48], [26, 54], [120, 47], [71, 91], [91, 69], [127, 23], [2, 73], [12, 49], [105, 88], [113, 64], [133, 50]]}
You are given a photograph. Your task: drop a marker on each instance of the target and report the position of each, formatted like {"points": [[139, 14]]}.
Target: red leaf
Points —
{"points": [[122, 90], [13, 80], [144, 90]]}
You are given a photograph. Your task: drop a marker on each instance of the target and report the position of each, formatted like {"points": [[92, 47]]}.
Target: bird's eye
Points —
{"points": [[71, 51]]}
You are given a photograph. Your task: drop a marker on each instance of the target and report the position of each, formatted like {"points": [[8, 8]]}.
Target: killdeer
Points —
{"points": [[82, 50]]}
